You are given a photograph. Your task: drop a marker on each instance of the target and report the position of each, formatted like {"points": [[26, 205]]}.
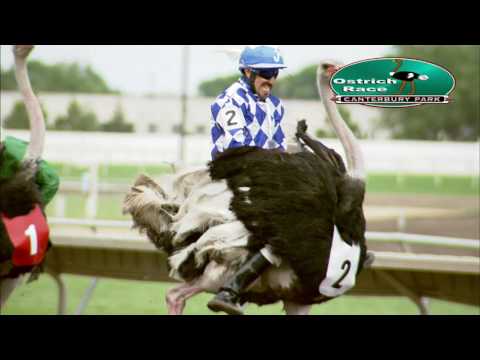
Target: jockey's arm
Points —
{"points": [[227, 129]]}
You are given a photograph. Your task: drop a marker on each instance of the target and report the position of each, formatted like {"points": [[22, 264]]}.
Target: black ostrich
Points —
{"points": [[406, 77], [299, 206], [23, 227]]}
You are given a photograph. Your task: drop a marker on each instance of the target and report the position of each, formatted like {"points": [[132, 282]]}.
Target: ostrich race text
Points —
{"points": [[364, 82]]}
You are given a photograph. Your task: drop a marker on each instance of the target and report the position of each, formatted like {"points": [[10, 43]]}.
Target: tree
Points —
{"points": [[62, 77], [458, 120], [77, 119], [152, 128], [18, 117], [301, 85], [214, 87], [118, 123], [200, 129]]}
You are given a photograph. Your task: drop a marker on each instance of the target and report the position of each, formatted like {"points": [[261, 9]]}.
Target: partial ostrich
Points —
{"points": [[304, 208], [406, 77], [23, 228]]}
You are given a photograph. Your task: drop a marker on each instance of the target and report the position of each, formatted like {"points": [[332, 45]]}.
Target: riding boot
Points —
{"points": [[227, 299]]}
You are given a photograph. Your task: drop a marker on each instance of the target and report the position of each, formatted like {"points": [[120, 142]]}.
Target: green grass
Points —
{"points": [[423, 184], [109, 206], [147, 298], [121, 173], [376, 182]]}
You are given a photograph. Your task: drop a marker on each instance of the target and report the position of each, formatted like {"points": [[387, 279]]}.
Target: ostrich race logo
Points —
{"points": [[392, 82]]}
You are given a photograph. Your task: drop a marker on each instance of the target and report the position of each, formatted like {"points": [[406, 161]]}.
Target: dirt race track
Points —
{"points": [[451, 216]]}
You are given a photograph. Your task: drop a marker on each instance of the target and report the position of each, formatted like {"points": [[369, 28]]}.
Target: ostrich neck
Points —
{"points": [[350, 144], [35, 115]]}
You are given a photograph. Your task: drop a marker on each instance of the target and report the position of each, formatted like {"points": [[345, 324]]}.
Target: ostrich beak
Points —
{"points": [[332, 69]]}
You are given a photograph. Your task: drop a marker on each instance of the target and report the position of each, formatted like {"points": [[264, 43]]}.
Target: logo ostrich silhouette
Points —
{"points": [[406, 77]]}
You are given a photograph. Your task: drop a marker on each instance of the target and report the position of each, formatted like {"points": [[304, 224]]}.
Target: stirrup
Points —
{"points": [[225, 301]]}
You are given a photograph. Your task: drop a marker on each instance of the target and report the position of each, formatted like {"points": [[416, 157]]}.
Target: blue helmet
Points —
{"points": [[261, 57]]}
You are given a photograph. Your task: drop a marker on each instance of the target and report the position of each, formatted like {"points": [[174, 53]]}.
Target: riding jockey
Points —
{"points": [[247, 114]]}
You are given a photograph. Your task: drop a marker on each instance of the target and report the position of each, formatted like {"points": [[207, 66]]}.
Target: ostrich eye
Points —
{"points": [[325, 66]]}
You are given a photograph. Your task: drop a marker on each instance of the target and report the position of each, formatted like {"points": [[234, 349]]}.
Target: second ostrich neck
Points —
{"points": [[348, 140], [35, 116]]}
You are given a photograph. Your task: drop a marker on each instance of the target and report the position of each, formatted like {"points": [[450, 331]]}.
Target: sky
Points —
{"points": [[142, 69]]}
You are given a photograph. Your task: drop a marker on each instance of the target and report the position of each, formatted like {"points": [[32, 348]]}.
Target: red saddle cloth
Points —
{"points": [[29, 236]]}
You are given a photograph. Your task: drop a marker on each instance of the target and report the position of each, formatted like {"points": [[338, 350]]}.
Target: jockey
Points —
{"points": [[247, 114]]}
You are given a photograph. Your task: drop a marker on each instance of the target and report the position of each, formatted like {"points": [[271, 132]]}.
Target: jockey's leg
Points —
{"points": [[227, 299]]}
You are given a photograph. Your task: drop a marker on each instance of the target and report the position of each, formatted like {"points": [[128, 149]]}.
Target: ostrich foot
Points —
{"points": [[177, 297]]}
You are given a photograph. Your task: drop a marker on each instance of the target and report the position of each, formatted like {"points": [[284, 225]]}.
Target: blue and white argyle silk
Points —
{"points": [[240, 118]]}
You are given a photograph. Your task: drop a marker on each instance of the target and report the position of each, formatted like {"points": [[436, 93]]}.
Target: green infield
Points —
{"points": [[147, 298], [376, 182]]}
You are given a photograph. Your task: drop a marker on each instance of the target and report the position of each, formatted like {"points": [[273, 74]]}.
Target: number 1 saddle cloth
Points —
{"points": [[29, 236]]}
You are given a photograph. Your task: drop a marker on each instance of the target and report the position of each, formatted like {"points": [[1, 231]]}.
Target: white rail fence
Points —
{"points": [[399, 157], [390, 268]]}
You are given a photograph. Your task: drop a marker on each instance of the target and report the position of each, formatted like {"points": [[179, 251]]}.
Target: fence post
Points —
{"points": [[60, 205], [402, 221], [92, 198]]}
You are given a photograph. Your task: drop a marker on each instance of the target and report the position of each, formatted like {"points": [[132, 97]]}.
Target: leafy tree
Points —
{"points": [[301, 85], [62, 77], [152, 128], [118, 123], [214, 87], [18, 117], [458, 120], [77, 119], [200, 129]]}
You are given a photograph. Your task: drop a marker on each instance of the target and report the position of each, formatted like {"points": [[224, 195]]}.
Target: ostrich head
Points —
{"points": [[353, 152], [22, 51], [325, 71]]}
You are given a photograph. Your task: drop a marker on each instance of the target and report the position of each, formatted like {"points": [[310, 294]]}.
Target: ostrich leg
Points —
{"points": [[412, 88], [177, 297], [296, 309], [402, 86], [6, 288]]}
